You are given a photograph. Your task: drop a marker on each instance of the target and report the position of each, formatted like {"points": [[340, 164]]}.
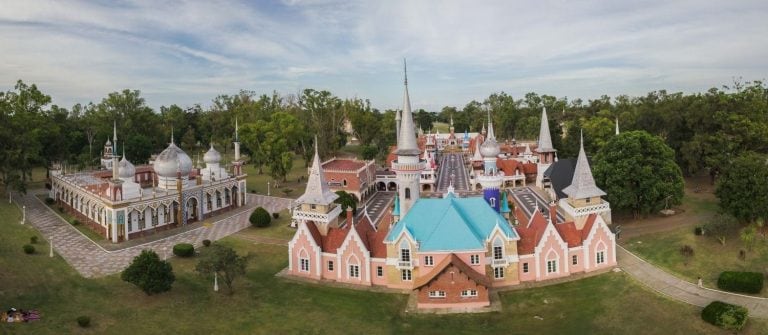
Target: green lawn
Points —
{"points": [[264, 304], [279, 228], [709, 259], [258, 182]]}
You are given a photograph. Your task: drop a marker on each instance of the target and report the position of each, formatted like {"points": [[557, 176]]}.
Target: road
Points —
{"points": [[452, 170], [529, 200]]}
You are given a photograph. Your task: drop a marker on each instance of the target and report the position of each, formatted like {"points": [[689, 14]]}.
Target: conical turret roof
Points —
{"points": [[407, 138], [545, 139], [317, 191], [583, 183]]}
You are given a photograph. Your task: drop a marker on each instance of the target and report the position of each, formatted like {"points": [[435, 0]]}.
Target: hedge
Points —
{"points": [[260, 217], [745, 282], [184, 250], [725, 315]]}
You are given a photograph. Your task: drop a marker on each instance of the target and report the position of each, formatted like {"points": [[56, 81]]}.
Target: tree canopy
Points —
{"points": [[224, 262], [639, 173], [743, 188], [149, 273]]}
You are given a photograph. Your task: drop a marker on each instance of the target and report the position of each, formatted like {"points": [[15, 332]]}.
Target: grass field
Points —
{"points": [[709, 259], [263, 304], [258, 182]]}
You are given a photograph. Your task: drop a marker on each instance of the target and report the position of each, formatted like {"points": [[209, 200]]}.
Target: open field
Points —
{"points": [[258, 182], [264, 304]]}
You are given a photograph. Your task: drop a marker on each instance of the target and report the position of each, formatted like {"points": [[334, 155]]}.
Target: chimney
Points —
{"points": [[553, 212], [349, 216]]}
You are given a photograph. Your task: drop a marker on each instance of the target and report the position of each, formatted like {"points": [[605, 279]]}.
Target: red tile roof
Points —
{"points": [[335, 237], [569, 233], [530, 232], [315, 234], [343, 164]]}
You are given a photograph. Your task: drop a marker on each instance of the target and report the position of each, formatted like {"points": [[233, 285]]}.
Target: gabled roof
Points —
{"points": [[317, 191], [531, 231], [583, 184], [334, 238], [450, 224], [560, 174], [458, 263]]}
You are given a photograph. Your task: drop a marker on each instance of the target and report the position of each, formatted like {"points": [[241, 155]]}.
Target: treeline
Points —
{"points": [[706, 130]]}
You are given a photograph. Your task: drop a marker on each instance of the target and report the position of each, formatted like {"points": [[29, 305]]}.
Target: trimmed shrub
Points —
{"points": [[725, 315], [75, 222], [83, 321], [33, 240], [699, 231], [49, 201], [184, 250], [275, 215], [260, 217], [687, 252], [28, 249], [736, 281], [206, 243]]}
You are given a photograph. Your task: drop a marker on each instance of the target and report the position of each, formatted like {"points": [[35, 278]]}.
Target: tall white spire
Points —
{"points": [[317, 191], [490, 126], [583, 183], [545, 139], [617, 126], [171, 134], [114, 131], [237, 139], [407, 138]]}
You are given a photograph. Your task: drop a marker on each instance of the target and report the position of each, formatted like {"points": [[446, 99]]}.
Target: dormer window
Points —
{"points": [[498, 249], [405, 252]]}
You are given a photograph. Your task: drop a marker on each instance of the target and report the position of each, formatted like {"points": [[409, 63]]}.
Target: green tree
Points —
{"points": [[260, 217], [224, 262], [346, 200], [149, 273], [720, 226], [743, 188], [638, 172]]}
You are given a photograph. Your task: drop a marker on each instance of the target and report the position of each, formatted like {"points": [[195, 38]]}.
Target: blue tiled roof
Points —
{"points": [[450, 224]]}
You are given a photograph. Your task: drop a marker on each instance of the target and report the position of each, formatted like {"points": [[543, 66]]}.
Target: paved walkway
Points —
{"points": [[682, 290], [91, 260]]}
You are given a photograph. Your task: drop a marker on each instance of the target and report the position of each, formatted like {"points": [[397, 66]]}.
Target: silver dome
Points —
{"points": [[489, 148], [212, 156], [171, 159], [126, 169]]}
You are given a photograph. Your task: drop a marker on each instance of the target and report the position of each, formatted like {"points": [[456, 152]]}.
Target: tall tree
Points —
{"points": [[639, 173], [224, 262], [743, 188]]}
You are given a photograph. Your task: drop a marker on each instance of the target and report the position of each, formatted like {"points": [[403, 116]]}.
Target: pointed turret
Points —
{"points": [[504, 205], [407, 166], [583, 184], [407, 138], [396, 209], [545, 139], [317, 192]]}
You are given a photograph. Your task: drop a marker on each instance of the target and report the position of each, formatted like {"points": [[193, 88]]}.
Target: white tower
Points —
{"points": [[545, 150], [408, 165], [316, 204]]}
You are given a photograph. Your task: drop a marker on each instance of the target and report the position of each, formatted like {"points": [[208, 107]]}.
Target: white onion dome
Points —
{"points": [[171, 160], [126, 169], [489, 148], [212, 156]]}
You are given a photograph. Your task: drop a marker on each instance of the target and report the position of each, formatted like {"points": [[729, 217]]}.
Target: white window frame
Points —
{"points": [[405, 251], [600, 257], [330, 265], [575, 260], [437, 294], [525, 267], [406, 275], [429, 261], [552, 266], [498, 273], [304, 264], [474, 259], [354, 271], [469, 293], [379, 271], [498, 245]]}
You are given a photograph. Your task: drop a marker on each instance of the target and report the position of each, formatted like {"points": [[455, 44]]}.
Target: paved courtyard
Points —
{"points": [[452, 170], [91, 260]]}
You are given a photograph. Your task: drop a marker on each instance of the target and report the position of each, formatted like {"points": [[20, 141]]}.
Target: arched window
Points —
{"points": [[552, 262], [303, 261], [498, 249], [226, 197], [405, 251], [407, 193], [600, 253], [218, 199], [344, 182], [354, 267], [493, 202]]}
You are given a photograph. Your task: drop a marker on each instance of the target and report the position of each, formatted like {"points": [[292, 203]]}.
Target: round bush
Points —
{"points": [[29, 249], [260, 217], [83, 321], [184, 250], [275, 215], [725, 315], [33, 240], [206, 243], [49, 201], [699, 231]]}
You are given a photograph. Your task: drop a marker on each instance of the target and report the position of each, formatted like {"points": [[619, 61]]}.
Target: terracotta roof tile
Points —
{"points": [[343, 164], [314, 233], [458, 263], [569, 233], [334, 239]]}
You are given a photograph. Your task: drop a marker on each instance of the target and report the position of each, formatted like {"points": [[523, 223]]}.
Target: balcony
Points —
{"points": [[404, 265], [499, 263]]}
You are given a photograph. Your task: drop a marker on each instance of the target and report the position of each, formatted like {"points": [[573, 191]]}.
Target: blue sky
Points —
{"points": [[189, 52]]}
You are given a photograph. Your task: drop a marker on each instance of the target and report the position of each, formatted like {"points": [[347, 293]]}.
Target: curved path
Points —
{"points": [[91, 260], [682, 290]]}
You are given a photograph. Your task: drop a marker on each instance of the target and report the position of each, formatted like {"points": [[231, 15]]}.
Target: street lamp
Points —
{"points": [[23, 214], [50, 253], [216, 282], [267, 188]]}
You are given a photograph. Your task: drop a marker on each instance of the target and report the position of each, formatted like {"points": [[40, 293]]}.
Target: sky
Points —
{"points": [[189, 52]]}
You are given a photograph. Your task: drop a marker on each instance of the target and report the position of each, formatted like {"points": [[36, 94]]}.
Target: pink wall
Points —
{"points": [[601, 236], [579, 267], [353, 250], [551, 246], [375, 280], [439, 257], [531, 275], [302, 242]]}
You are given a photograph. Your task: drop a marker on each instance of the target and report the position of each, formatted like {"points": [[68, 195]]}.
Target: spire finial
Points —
{"points": [[581, 135], [114, 129], [617, 125], [236, 138], [171, 134], [405, 71], [123, 151]]}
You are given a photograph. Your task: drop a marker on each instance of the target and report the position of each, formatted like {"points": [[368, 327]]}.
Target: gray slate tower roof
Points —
{"points": [[317, 191], [407, 138], [583, 184], [545, 139]]}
